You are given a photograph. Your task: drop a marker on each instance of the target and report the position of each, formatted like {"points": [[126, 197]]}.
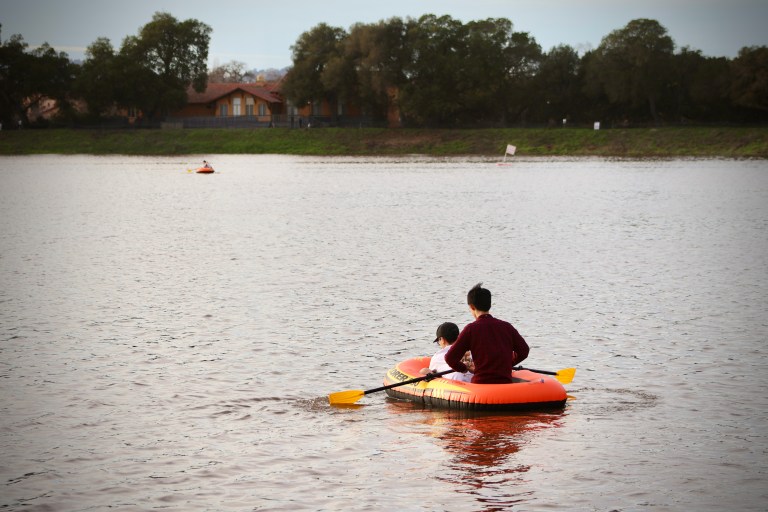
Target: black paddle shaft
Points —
{"points": [[544, 372], [429, 376]]}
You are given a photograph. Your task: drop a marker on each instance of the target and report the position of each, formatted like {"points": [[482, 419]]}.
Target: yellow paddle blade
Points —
{"points": [[345, 397], [570, 397], [565, 376]]}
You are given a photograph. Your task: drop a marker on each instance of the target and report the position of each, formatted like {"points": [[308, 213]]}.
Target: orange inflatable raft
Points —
{"points": [[530, 391], [205, 170]]}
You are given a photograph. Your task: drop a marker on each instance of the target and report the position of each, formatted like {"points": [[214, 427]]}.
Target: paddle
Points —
{"points": [[353, 395], [564, 376]]}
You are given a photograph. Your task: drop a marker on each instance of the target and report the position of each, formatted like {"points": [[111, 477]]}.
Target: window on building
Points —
{"points": [[235, 106], [262, 109], [249, 106], [223, 110]]}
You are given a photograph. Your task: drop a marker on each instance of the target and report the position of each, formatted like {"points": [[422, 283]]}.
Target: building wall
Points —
{"points": [[214, 109], [259, 105]]}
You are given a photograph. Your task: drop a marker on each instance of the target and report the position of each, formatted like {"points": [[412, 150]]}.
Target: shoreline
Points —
{"points": [[665, 142]]}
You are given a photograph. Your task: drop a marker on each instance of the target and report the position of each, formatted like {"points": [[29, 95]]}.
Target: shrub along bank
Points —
{"points": [[728, 142]]}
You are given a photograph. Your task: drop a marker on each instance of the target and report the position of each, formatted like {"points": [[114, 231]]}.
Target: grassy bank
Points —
{"points": [[635, 143]]}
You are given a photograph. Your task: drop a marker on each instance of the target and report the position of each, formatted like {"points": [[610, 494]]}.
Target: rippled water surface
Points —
{"points": [[168, 340]]}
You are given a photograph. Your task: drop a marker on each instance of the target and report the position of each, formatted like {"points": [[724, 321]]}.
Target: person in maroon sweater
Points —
{"points": [[496, 346]]}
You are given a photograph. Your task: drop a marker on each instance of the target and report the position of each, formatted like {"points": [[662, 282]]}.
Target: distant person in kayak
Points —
{"points": [[446, 334], [495, 345], [206, 165]]}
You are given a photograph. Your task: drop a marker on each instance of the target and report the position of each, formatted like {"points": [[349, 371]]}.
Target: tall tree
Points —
{"points": [[13, 78], [27, 77], [371, 65], [633, 65], [311, 54], [467, 74], [98, 81], [558, 85], [701, 87], [430, 95], [522, 58], [52, 75], [485, 78], [750, 78], [170, 56]]}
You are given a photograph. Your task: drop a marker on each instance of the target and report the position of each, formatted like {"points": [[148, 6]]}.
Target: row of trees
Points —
{"points": [[443, 72], [437, 71], [149, 74]]}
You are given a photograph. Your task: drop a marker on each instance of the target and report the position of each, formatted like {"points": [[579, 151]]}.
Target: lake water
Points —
{"points": [[168, 340]]}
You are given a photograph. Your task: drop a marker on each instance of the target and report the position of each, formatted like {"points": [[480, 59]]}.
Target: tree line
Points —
{"points": [[149, 74], [437, 72], [445, 73]]}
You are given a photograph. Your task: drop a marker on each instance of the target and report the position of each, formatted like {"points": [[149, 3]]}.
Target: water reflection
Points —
{"points": [[483, 448]]}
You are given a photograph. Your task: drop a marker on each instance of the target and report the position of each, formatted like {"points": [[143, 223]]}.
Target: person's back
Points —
{"points": [[496, 346]]}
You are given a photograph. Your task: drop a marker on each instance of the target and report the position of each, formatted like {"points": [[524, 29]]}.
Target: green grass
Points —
{"points": [[726, 142]]}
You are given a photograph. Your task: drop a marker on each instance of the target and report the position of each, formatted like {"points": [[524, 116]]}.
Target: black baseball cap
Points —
{"points": [[447, 330]]}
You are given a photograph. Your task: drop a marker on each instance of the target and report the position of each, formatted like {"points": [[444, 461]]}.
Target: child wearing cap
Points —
{"points": [[446, 334]]}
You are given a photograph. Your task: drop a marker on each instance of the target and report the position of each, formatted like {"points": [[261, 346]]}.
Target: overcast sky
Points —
{"points": [[261, 32]]}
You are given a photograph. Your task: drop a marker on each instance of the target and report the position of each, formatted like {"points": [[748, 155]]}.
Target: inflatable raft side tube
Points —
{"points": [[474, 406]]}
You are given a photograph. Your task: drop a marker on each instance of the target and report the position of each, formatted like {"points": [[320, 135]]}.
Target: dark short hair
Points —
{"points": [[449, 331], [479, 297]]}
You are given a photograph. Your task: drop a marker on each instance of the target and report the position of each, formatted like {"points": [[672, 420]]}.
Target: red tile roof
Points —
{"points": [[215, 91]]}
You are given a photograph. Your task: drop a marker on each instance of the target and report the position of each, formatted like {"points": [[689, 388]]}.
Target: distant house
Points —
{"points": [[261, 104], [231, 100], [44, 109]]}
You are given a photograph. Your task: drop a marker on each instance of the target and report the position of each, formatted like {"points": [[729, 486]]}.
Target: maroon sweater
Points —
{"points": [[496, 347]]}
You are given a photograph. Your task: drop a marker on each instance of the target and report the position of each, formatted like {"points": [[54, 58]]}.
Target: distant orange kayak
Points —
{"points": [[531, 391], [205, 170]]}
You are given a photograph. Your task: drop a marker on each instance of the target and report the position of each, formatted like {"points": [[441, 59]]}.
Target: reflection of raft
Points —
{"points": [[531, 391], [205, 170]]}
